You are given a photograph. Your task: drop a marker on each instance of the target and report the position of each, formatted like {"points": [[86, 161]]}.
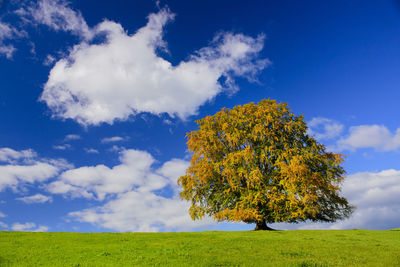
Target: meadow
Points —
{"points": [[252, 248]]}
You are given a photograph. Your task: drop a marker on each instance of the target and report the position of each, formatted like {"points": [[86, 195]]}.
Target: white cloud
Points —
{"points": [[38, 198], [99, 181], [33, 48], [29, 227], [115, 148], [57, 15], [168, 122], [141, 212], [41, 228], [375, 136], [2, 215], [25, 167], [125, 76], [112, 139], [23, 227], [3, 225], [8, 32], [172, 170], [91, 151], [132, 193], [49, 60], [7, 50], [14, 175], [323, 128], [11, 155], [370, 136], [69, 137], [62, 147], [376, 196]]}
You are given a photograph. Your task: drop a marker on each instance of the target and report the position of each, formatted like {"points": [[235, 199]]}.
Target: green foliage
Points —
{"points": [[256, 163], [277, 248]]}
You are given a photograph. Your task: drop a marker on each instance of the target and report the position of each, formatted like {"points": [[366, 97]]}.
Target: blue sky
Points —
{"points": [[96, 99]]}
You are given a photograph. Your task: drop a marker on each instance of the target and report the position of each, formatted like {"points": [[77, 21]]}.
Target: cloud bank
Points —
{"points": [[136, 196]]}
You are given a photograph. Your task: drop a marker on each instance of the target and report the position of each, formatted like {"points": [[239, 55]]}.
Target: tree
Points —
{"points": [[256, 163]]}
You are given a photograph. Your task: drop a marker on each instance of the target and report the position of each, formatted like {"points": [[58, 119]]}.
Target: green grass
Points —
{"points": [[276, 248]]}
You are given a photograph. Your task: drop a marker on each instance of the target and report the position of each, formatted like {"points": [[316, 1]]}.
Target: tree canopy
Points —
{"points": [[256, 163]]}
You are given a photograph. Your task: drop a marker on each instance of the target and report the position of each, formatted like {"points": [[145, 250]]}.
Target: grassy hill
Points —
{"points": [[277, 248]]}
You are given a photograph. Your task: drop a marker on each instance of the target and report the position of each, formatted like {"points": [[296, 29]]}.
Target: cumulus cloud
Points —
{"points": [[18, 168], [323, 128], [57, 15], [172, 170], [138, 197], [377, 137], [14, 175], [38, 198], [124, 75], [99, 181], [3, 225], [2, 215], [29, 227]]}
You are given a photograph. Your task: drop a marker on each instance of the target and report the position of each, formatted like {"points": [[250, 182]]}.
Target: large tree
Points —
{"points": [[256, 163]]}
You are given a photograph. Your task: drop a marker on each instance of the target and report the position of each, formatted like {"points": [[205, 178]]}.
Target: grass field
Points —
{"points": [[276, 248]]}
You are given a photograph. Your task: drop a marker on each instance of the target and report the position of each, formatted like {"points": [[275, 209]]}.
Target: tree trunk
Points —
{"points": [[262, 225]]}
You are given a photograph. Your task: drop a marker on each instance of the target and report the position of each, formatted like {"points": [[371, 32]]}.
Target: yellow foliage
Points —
{"points": [[256, 162]]}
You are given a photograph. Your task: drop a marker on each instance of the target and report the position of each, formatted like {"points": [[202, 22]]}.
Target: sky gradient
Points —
{"points": [[96, 99]]}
